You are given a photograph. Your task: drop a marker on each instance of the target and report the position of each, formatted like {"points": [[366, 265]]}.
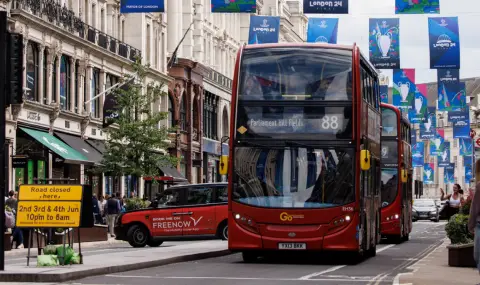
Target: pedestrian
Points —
{"points": [[454, 200], [96, 210], [112, 209], [474, 224], [12, 200]]}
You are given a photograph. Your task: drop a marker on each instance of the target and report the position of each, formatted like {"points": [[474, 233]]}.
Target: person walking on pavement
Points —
{"points": [[474, 224], [17, 233], [112, 210]]}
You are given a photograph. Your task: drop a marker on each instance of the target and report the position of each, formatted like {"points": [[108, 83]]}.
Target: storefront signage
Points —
{"points": [[33, 116], [19, 161], [49, 206]]}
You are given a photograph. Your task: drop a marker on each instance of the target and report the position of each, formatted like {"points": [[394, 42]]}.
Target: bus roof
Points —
{"points": [[294, 45], [397, 110]]}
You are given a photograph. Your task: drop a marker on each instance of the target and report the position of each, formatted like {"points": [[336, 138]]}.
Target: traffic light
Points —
{"points": [[14, 82]]}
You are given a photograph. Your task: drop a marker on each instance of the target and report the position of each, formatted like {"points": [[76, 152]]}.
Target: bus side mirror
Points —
{"points": [[223, 165], [365, 160], [404, 176]]}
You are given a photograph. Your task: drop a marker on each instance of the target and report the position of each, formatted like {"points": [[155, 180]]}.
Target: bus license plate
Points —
{"points": [[292, 246]]}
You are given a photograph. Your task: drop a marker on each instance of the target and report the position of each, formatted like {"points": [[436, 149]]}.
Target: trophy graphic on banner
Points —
{"points": [[428, 172], [444, 155], [428, 124], [384, 39], [404, 90], [418, 104], [438, 141]]}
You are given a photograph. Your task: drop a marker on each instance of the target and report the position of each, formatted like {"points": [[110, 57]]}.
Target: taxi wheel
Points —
{"points": [[137, 236]]}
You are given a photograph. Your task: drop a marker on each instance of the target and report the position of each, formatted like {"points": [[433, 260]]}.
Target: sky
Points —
{"points": [[414, 45]]}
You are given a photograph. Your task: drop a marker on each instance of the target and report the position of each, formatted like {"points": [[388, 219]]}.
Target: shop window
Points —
{"points": [[95, 90], [65, 76], [32, 71]]}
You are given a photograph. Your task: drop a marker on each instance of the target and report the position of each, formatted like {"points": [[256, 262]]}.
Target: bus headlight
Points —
{"points": [[396, 216], [246, 223]]}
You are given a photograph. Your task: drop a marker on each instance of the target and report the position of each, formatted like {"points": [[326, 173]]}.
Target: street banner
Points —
{"points": [[461, 123], [444, 158], [451, 92], [234, 6], [444, 42], [110, 107], [384, 43], [418, 159], [322, 30], [437, 143], [417, 6], [263, 30], [384, 93], [403, 89], [428, 173], [142, 6], [449, 173], [466, 146], [429, 126], [325, 6], [419, 104], [414, 136], [468, 173]]}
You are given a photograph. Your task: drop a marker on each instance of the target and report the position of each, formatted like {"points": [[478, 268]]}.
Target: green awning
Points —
{"points": [[69, 154]]}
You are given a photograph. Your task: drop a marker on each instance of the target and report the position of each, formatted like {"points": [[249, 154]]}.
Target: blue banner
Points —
{"points": [[325, 6], [428, 128], [444, 43], [384, 93], [466, 146], [263, 30], [437, 144], [142, 6], [403, 89], [449, 173], [384, 43], [452, 97], [418, 159], [444, 158], [468, 174], [416, 115], [417, 7], [234, 6], [461, 124], [414, 137], [428, 173], [322, 30]]}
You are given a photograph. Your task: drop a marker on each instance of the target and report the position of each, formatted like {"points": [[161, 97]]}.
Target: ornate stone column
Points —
{"points": [[50, 59], [72, 90], [40, 82]]}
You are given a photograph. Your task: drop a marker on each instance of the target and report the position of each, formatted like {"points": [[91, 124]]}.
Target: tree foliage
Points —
{"points": [[134, 141]]}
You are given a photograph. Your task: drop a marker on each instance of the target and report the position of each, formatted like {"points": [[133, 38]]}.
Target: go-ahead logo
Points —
{"points": [[284, 217]]}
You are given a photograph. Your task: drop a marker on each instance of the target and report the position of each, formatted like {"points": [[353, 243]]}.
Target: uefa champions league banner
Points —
{"points": [[428, 171], [414, 137], [325, 6], [466, 146], [449, 173], [444, 42], [234, 6], [142, 6], [461, 123], [419, 104], [263, 30], [384, 43], [444, 158], [322, 30], [403, 89], [437, 144], [428, 128], [448, 83], [468, 174], [384, 93], [417, 6], [418, 158]]}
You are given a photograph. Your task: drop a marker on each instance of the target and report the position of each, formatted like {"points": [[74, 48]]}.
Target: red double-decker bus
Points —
{"points": [[396, 174], [304, 165]]}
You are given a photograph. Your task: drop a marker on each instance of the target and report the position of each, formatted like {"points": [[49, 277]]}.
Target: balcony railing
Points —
{"points": [[54, 13]]}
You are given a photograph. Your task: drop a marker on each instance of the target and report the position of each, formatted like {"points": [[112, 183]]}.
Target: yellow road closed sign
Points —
{"points": [[48, 214], [50, 193]]}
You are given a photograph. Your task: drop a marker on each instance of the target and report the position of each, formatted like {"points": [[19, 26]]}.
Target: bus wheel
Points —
{"points": [[137, 236], [154, 243], [222, 231], [249, 257]]}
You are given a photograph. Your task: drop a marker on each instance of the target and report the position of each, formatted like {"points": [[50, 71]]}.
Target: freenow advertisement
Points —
{"points": [[264, 30], [419, 104], [429, 126], [142, 6], [325, 6], [466, 146], [234, 6], [417, 6], [322, 30], [428, 171], [384, 93], [418, 159], [444, 158], [444, 42], [461, 123], [403, 89], [384, 43], [449, 173]]}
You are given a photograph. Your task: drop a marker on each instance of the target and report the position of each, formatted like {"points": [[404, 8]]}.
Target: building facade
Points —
{"points": [[73, 51]]}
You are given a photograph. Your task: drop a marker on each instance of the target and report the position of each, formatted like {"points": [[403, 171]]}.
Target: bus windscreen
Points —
{"points": [[389, 123], [305, 74]]}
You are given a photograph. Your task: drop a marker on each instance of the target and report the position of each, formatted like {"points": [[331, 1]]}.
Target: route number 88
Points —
{"points": [[330, 122]]}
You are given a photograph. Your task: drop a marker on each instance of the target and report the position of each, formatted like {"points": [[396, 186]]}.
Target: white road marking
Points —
{"points": [[235, 278]]}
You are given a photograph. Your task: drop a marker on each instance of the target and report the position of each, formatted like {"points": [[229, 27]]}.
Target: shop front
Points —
{"points": [[211, 160], [169, 176]]}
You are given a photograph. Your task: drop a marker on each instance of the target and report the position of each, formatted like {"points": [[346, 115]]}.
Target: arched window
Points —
{"points": [[32, 71], [225, 126], [171, 114], [65, 83], [183, 113]]}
